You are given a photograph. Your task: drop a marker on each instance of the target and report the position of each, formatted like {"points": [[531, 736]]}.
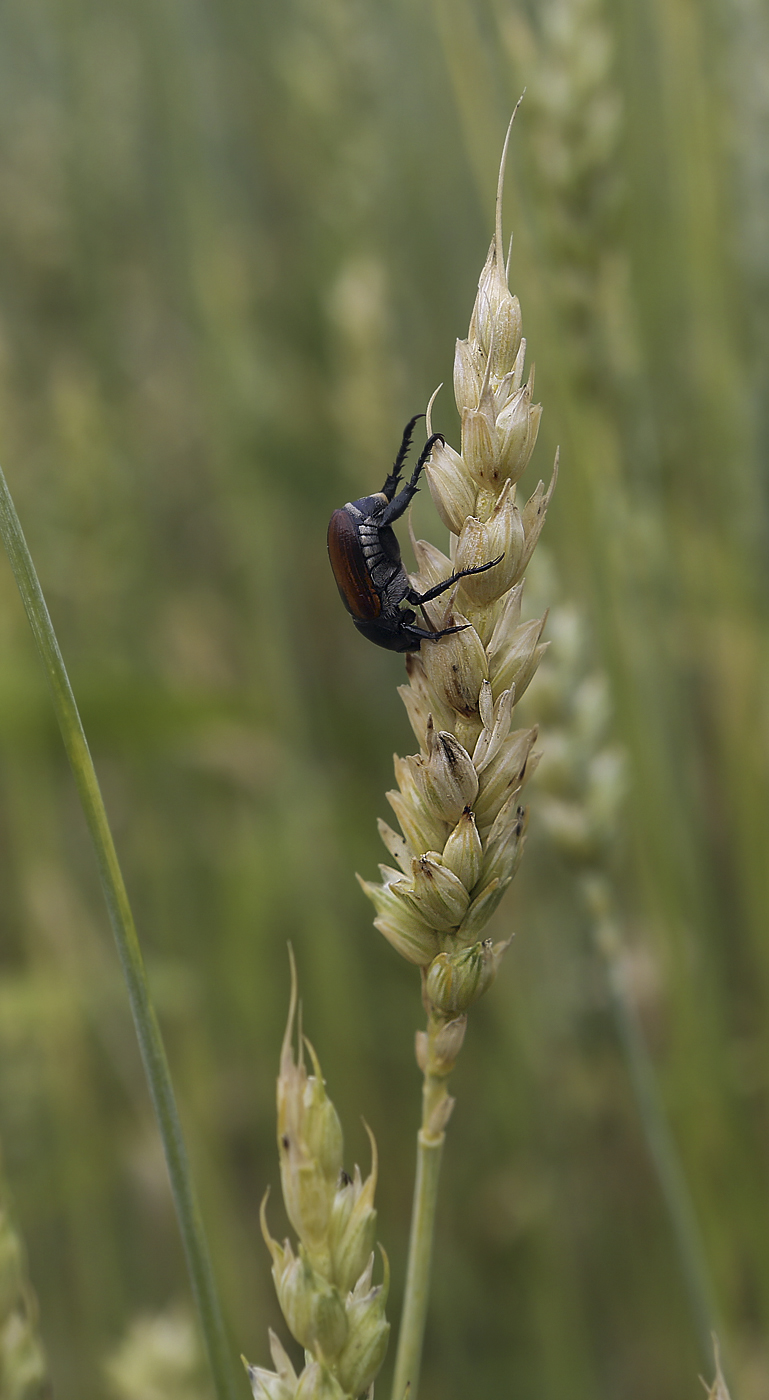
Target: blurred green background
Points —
{"points": [[237, 241]]}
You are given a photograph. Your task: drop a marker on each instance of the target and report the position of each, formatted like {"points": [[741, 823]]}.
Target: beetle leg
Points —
{"points": [[404, 498], [425, 636], [419, 598], [391, 483]]}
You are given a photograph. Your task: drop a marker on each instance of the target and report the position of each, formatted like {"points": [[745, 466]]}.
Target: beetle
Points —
{"points": [[366, 560]]}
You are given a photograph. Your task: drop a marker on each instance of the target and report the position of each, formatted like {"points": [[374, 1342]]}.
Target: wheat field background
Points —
{"points": [[237, 242]]}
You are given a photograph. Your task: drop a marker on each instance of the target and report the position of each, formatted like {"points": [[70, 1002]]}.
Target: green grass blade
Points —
{"points": [[146, 1023]]}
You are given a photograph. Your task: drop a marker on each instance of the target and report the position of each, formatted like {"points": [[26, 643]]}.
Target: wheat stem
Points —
{"points": [[412, 1327]]}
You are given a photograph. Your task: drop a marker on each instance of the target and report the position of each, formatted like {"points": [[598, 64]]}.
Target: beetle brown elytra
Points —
{"points": [[366, 559]]}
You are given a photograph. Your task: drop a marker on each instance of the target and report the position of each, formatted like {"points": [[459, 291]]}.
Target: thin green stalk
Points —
{"points": [[659, 1140], [147, 1028], [412, 1328]]}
